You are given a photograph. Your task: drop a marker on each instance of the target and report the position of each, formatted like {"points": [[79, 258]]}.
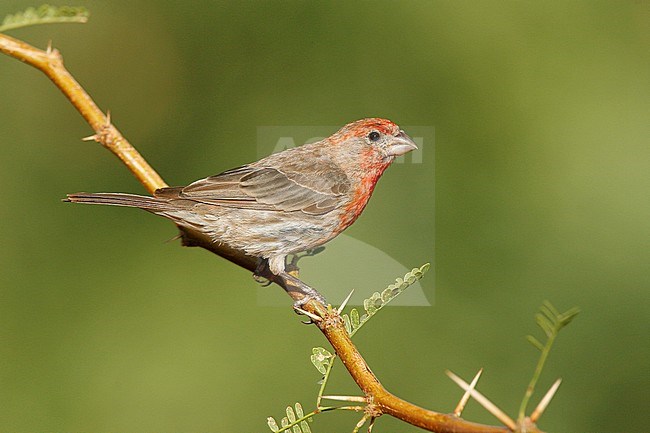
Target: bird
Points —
{"points": [[286, 203]]}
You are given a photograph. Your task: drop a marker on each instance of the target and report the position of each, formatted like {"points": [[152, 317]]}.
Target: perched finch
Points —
{"points": [[286, 203]]}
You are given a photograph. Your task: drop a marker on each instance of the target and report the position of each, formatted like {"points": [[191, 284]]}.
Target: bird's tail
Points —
{"points": [[150, 204]]}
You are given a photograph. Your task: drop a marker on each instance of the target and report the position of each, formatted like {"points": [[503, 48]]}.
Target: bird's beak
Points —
{"points": [[401, 144]]}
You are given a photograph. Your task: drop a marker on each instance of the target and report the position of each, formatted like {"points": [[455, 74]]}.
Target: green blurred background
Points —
{"points": [[536, 188]]}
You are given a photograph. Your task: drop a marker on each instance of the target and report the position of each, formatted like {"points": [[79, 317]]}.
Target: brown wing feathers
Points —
{"points": [[263, 188]]}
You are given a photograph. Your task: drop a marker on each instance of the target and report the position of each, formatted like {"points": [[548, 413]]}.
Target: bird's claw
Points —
{"points": [[263, 281], [313, 318], [309, 294]]}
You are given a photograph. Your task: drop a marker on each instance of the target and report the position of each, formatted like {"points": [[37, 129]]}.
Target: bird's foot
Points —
{"points": [[293, 284], [309, 294], [263, 281], [261, 272]]}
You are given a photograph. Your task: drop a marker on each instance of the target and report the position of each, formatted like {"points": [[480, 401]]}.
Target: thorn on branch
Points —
{"points": [[52, 54], [465, 398], [345, 302], [312, 316], [104, 134], [543, 404], [487, 404], [93, 137], [351, 398]]}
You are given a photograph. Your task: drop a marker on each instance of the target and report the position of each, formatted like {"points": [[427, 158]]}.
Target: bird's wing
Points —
{"points": [[268, 188]]}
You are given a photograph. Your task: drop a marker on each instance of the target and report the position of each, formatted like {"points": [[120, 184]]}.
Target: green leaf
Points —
{"points": [[387, 294], [320, 358], [369, 306], [553, 311], [299, 411], [273, 425], [544, 323], [548, 313], [291, 414], [347, 323], [295, 420], [566, 317], [45, 14], [535, 342], [354, 318], [378, 300], [305, 427], [551, 321], [411, 279]]}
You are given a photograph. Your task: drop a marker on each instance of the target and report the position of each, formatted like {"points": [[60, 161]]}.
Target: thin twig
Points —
{"points": [[360, 424], [323, 384]]}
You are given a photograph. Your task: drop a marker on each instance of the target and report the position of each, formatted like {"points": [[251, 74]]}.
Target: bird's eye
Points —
{"points": [[373, 136]]}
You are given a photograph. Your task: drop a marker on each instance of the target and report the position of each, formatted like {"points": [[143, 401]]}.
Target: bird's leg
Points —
{"points": [[261, 273], [292, 265], [289, 282], [293, 284]]}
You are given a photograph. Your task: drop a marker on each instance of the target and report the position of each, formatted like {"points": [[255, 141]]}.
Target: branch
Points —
{"points": [[334, 330], [50, 62]]}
